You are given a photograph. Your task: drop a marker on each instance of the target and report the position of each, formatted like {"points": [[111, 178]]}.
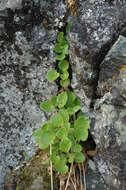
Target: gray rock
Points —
{"points": [[26, 53], [109, 134], [94, 30], [112, 76], [110, 118], [12, 4], [99, 78], [3, 4]]}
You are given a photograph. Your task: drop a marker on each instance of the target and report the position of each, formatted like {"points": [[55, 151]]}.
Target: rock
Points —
{"points": [[97, 56], [14, 4], [109, 128], [3, 4], [109, 134], [11, 4], [26, 53], [112, 76], [94, 30]]}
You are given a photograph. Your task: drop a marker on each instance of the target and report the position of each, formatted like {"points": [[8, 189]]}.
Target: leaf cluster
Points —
{"points": [[64, 130], [67, 126], [61, 50]]}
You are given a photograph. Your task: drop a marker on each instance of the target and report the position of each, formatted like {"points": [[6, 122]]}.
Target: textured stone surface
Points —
{"points": [[26, 53], [108, 127], [99, 76], [94, 30], [112, 76], [27, 37], [12, 4]]}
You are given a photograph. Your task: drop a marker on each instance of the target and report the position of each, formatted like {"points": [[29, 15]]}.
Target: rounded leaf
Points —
{"points": [[61, 99], [60, 165], [65, 83], [64, 114], [79, 157], [52, 75], [63, 65], [46, 106], [71, 98], [60, 57], [82, 122], [64, 75], [62, 133], [65, 145], [43, 138], [76, 148], [56, 120]]}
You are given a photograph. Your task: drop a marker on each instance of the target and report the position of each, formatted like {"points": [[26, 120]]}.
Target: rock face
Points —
{"points": [[98, 61], [28, 30], [110, 117], [93, 32], [26, 53]]}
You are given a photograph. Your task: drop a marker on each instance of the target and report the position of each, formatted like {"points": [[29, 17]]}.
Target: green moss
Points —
{"points": [[34, 175]]}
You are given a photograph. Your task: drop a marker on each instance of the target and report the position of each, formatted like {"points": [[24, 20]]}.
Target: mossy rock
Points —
{"points": [[33, 175]]}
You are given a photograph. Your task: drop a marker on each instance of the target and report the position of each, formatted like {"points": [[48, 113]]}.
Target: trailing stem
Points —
{"points": [[51, 168]]}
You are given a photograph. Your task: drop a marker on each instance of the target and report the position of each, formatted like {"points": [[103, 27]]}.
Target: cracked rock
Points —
{"points": [[109, 129], [26, 54], [96, 27]]}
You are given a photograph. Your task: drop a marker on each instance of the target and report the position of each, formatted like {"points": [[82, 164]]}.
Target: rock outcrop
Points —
{"points": [[98, 60], [97, 39], [27, 37]]}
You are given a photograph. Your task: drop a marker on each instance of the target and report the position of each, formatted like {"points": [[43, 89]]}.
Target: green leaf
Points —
{"points": [[76, 108], [64, 115], [71, 99], [62, 133], [63, 65], [58, 48], [65, 83], [70, 110], [77, 102], [71, 158], [60, 165], [46, 106], [52, 75], [71, 135], [60, 57], [65, 145], [79, 157], [82, 122], [55, 150], [68, 27], [65, 75], [54, 100], [60, 37], [76, 148], [65, 49], [61, 99], [56, 120], [43, 138], [81, 126], [73, 110]]}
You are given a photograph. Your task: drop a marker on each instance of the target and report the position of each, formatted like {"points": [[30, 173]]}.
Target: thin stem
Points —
{"points": [[51, 168], [84, 178], [80, 177], [75, 179], [67, 183], [73, 184]]}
